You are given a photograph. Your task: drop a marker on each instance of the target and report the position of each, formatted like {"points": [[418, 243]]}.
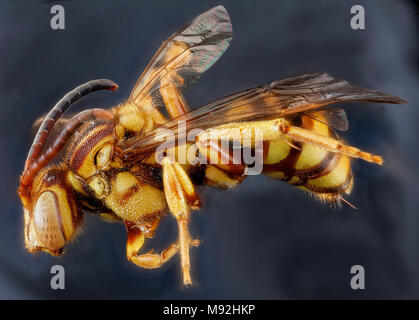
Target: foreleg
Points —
{"points": [[135, 241]]}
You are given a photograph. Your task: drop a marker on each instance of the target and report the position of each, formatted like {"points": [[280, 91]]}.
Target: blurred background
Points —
{"points": [[264, 239]]}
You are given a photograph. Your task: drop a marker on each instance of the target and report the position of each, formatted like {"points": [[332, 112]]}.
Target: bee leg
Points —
{"points": [[179, 192], [246, 132], [149, 260], [328, 144], [216, 177], [256, 131]]}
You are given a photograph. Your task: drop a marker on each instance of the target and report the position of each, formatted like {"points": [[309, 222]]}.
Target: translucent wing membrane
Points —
{"points": [[311, 91], [284, 98], [182, 58], [333, 118]]}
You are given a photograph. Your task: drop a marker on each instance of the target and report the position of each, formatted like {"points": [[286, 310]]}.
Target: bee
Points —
{"points": [[108, 163]]}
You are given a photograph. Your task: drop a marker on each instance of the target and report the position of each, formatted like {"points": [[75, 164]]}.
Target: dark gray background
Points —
{"points": [[264, 239]]}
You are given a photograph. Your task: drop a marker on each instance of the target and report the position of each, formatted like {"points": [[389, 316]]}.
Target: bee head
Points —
{"points": [[49, 205]]}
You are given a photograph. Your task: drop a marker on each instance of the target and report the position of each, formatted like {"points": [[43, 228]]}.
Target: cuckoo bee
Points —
{"points": [[104, 161]]}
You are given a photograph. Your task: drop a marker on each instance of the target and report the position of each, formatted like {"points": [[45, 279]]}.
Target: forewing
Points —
{"points": [[284, 98], [311, 91], [183, 57]]}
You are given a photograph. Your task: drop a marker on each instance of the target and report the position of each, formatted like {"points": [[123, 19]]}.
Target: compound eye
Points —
{"points": [[104, 156], [47, 221]]}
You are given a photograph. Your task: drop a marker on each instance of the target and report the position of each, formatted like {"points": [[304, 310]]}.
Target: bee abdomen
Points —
{"points": [[325, 174]]}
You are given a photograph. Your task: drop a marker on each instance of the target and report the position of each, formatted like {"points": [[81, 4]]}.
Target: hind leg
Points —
{"points": [[256, 131]]}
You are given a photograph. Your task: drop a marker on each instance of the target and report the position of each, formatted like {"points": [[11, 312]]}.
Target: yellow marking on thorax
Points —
{"points": [[139, 118], [132, 200], [130, 117]]}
